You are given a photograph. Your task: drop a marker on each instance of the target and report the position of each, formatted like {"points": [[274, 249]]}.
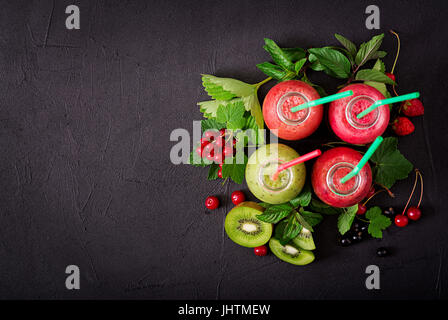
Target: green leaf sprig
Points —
{"points": [[346, 62], [289, 63], [236, 108], [291, 217]]}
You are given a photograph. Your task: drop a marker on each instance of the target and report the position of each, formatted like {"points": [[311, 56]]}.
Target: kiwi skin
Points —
{"points": [[305, 240], [303, 257], [248, 240]]}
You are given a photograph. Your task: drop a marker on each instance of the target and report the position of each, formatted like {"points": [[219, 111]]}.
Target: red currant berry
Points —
{"points": [[390, 75], [237, 197], [361, 209], [220, 165], [210, 135], [414, 213], [220, 173], [212, 203], [227, 152], [261, 251], [219, 142], [204, 142], [217, 158], [222, 132], [401, 220], [210, 156]]}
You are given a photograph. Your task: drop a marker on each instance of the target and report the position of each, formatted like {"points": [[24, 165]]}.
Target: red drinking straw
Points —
{"points": [[286, 165]]}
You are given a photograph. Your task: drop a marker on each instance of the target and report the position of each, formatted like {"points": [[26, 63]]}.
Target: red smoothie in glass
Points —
{"points": [[342, 115], [330, 168], [278, 116]]}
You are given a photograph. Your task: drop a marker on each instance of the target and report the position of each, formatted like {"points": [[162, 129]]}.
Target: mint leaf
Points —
{"points": [[346, 218], [381, 87], [294, 54], [211, 124], [323, 208], [311, 218], [232, 114], [274, 71], [302, 220], [391, 165], [278, 55], [378, 222], [291, 230], [299, 64], [213, 172], [315, 64], [373, 75], [350, 46], [303, 199], [333, 60], [234, 171], [379, 55], [368, 50], [379, 65], [275, 213]]}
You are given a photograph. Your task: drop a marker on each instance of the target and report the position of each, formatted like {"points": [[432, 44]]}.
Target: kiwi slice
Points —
{"points": [[243, 227], [305, 240], [291, 253]]}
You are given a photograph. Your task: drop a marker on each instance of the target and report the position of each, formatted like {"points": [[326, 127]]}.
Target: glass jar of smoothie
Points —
{"points": [[261, 166], [330, 168], [342, 115], [277, 110]]}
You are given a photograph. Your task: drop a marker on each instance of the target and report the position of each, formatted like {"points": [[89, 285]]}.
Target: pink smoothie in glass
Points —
{"points": [[342, 115], [278, 116], [330, 168]]}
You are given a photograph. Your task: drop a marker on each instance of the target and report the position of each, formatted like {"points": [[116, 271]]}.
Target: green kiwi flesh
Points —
{"points": [[305, 240], [243, 227], [291, 253]]}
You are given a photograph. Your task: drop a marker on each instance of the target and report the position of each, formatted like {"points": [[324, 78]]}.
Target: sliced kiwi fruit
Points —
{"points": [[243, 227], [305, 240], [291, 253]]}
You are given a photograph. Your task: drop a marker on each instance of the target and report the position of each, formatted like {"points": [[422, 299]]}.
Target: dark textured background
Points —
{"points": [[85, 119]]}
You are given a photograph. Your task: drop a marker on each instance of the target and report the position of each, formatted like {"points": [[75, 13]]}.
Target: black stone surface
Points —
{"points": [[86, 178]]}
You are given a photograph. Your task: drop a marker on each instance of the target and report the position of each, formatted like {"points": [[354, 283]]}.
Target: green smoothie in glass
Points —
{"points": [[261, 166]]}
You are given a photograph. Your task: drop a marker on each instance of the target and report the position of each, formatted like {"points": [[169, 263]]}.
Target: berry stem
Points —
{"points": [[363, 220], [421, 189], [398, 50], [388, 191], [379, 191], [417, 172], [396, 58]]}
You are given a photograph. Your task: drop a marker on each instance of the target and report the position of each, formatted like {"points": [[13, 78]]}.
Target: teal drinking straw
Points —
{"points": [[323, 100], [378, 103], [364, 159]]}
